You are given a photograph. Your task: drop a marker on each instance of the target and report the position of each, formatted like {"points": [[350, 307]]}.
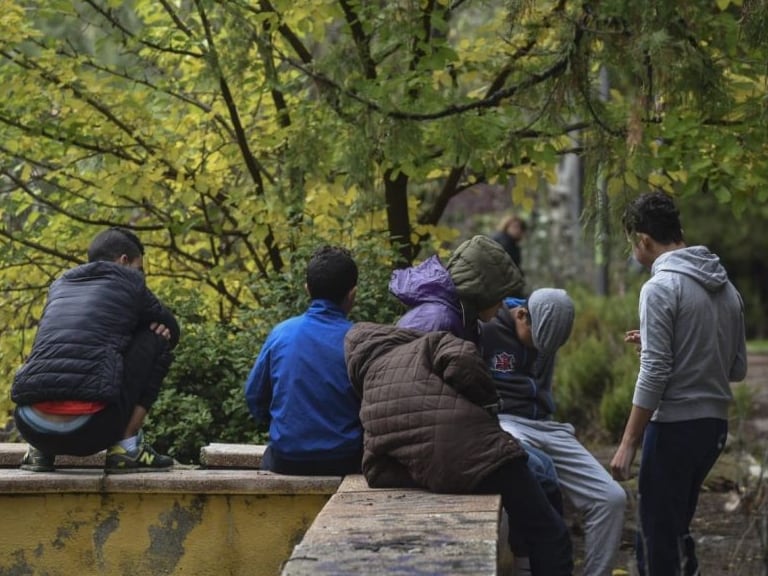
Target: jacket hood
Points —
{"points": [[552, 313], [697, 262], [429, 281], [483, 273]]}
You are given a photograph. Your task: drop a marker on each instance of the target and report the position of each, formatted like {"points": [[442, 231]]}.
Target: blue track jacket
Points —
{"points": [[299, 386]]}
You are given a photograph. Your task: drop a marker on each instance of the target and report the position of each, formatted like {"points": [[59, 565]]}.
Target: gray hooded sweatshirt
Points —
{"points": [[692, 333]]}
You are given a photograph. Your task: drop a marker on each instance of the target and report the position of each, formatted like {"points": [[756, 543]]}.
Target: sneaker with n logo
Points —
{"points": [[142, 459]]}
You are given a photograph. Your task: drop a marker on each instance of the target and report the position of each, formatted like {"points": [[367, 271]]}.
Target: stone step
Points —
{"points": [[244, 456]]}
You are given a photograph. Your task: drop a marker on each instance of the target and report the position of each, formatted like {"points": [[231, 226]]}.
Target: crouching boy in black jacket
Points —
{"points": [[102, 349]]}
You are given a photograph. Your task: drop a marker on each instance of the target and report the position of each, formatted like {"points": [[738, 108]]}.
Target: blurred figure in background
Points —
{"points": [[510, 232]]}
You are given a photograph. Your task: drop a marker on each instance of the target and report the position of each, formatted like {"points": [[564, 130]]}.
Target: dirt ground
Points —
{"points": [[732, 508]]}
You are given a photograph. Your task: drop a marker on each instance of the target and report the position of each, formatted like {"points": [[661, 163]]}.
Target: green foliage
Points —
{"points": [[738, 240], [201, 400], [595, 372], [741, 410]]}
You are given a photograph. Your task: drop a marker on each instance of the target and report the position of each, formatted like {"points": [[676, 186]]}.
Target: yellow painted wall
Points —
{"points": [[151, 534]]}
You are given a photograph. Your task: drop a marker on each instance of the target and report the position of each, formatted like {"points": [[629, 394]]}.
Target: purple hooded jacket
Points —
{"points": [[431, 296]]}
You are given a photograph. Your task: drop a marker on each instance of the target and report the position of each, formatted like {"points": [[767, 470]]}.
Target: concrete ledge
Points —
{"points": [[359, 531], [178, 480], [11, 454], [245, 456], [362, 531], [231, 456]]}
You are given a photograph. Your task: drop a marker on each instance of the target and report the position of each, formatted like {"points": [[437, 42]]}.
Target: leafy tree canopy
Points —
{"points": [[227, 133]]}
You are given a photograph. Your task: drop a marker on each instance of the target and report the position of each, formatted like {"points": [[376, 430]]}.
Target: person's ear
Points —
{"points": [[306, 289], [520, 313], [123, 260], [349, 299], [643, 239]]}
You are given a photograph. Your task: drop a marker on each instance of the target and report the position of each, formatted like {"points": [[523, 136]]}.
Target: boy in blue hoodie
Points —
{"points": [[299, 385], [692, 345]]}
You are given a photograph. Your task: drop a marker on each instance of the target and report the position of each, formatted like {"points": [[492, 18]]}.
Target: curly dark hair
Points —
{"points": [[331, 274], [655, 214]]}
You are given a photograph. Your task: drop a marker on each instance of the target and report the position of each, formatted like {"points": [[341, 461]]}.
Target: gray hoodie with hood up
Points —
{"points": [[692, 333]]}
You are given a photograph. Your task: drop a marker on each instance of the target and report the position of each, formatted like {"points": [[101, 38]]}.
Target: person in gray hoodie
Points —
{"points": [[519, 347], [692, 345]]}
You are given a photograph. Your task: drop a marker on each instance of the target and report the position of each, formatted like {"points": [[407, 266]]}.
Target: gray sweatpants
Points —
{"points": [[585, 482]]}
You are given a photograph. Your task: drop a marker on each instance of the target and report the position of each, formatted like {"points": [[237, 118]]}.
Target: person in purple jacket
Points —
{"points": [[478, 275]]}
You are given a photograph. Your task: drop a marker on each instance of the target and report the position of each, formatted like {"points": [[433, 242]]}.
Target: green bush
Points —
{"points": [[596, 369], [201, 400]]}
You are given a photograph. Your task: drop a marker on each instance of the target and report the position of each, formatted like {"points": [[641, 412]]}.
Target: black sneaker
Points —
{"points": [[36, 461], [142, 459]]}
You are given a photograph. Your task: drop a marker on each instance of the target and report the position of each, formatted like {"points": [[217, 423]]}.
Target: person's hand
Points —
{"points": [[160, 330], [622, 462], [633, 337]]}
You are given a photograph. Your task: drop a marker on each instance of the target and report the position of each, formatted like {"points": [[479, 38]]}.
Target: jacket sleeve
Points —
{"points": [[656, 334], [739, 368], [152, 310], [258, 387], [459, 364]]}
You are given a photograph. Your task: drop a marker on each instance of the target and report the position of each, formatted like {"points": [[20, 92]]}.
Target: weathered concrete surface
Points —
{"points": [[246, 456], [362, 531], [233, 456], [183, 522], [151, 534], [11, 454], [222, 521], [177, 481]]}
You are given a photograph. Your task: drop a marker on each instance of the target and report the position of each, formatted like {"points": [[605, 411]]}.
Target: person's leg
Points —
{"points": [[600, 499], [97, 432], [145, 364], [676, 458], [273, 462], [136, 421], [531, 518], [543, 469], [541, 465]]}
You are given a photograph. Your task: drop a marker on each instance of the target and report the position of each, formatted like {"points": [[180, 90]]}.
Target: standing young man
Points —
{"points": [[102, 349], [519, 346], [299, 385], [692, 345]]}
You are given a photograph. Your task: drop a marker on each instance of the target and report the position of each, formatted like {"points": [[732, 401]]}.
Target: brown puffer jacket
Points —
{"points": [[426, 402]]}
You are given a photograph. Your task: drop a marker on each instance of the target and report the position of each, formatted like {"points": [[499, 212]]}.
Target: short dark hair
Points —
{"points": [[655, 214], [112, 243], [331, 274]]}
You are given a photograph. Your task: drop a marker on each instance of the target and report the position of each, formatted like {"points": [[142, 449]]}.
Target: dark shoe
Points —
{"points": [[36, 461], [142, 459]]}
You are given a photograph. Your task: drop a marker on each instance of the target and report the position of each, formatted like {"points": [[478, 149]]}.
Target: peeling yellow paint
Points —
{"points": [[151, 534]]}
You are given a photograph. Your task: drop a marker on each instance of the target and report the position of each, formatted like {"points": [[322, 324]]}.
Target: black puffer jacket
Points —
{"points": [[427, 404], [89, 319]]}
